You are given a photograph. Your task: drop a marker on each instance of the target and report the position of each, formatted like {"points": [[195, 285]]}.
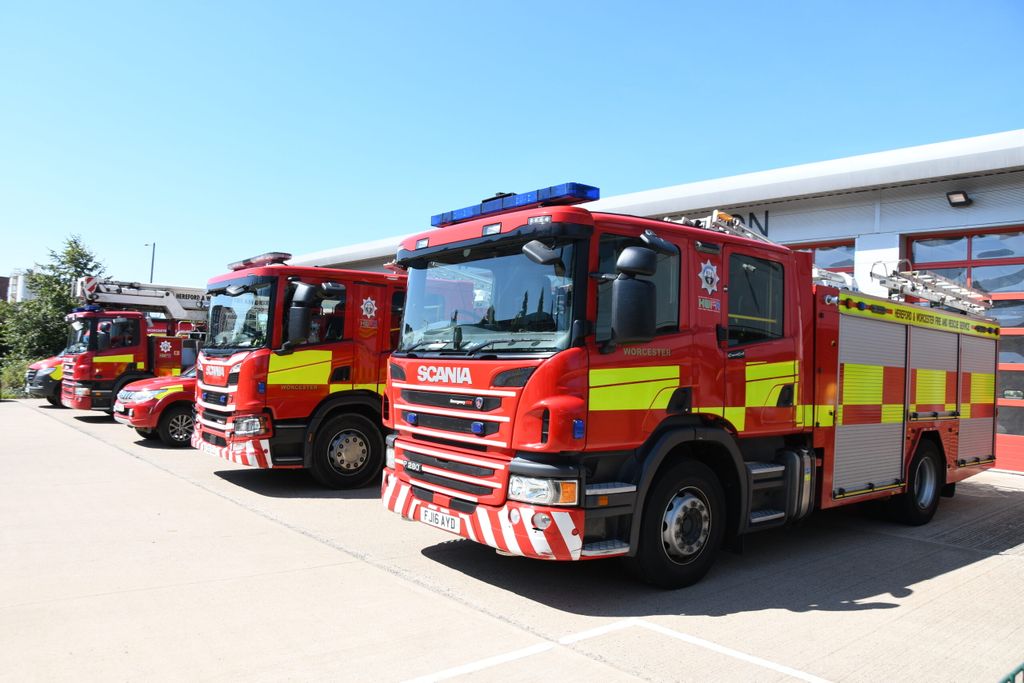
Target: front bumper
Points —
{"points": [[43, 387], [97, 399], [137, 415], [507, 528], [251, 452]]}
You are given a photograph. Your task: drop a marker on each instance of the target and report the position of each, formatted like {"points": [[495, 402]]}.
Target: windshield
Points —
{"points": [[490, 299], [240, 316], [79, 333]]}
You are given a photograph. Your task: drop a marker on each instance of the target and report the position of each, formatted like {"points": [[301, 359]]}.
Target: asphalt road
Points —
{"points": [[121, 559]]}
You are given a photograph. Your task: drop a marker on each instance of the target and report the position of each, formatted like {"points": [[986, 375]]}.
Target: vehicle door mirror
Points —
{"points": [[300, 313], [333, 290], [543, 255], [634, 301]]}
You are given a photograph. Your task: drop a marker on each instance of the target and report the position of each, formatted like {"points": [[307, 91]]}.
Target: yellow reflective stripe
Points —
{"points": [[736, 416], [58, 372], [764, 393], [140, 365], [606, 376], [931, 387], [904, 314], [862, 384], [170, 390], [824, 416], [760, 370], [123, 358], [175, 372], [983, 387], [340, 387], [892, 412], [367, 387], [300, 367], [965, 411], [635, 396]]}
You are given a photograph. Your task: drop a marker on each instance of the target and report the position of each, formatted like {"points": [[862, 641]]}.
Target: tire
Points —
{"points": [[683, 524], [54, 400], [176, 425], [147, 433], [348, 452], [925, 480]]}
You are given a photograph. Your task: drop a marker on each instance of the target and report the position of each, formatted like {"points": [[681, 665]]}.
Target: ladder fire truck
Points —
{"points": [[116, 338], [628, 387], [293, 369]]}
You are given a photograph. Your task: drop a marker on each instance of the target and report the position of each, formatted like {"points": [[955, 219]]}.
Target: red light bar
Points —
{"points": [[267, 259]]}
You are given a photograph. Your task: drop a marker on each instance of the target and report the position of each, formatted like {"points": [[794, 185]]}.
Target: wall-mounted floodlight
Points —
{"points": [[958, 199]]}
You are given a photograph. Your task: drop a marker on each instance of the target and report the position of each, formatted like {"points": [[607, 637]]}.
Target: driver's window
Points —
{"points": [[665, 279], [116, 334], [327, 323]]}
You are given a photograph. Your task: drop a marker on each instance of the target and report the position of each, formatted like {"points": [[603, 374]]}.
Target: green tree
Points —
{"points": [[36, 328]]}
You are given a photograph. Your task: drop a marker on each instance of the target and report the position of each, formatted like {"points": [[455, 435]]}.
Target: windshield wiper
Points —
{"points": [[484, 344], [423, 342]]}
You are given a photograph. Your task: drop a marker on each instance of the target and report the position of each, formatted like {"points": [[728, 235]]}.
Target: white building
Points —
{"points": [[874, 208], [17, 288]]}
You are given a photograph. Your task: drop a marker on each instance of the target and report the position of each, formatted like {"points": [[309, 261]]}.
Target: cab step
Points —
{"points": [[766, 515], [605, 548]]}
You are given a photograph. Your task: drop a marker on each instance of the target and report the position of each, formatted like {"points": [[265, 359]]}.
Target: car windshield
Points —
{"points": [[79, 333], [489, 299], [240, 316]]}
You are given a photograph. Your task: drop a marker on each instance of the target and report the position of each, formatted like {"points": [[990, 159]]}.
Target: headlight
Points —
{"points": [[46, 371], [248, 426], [389, 452], [146, 395], [82, 391], [543, 491]]}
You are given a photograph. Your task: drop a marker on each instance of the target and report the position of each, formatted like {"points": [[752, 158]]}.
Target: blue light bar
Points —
{"points": [[566, 193]]}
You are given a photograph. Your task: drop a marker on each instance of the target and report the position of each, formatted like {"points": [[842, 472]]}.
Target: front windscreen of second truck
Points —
{"points": [[489, 299], [240, 316]]}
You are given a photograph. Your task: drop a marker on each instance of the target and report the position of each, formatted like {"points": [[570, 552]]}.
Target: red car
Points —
{"points": [[160, 407]]}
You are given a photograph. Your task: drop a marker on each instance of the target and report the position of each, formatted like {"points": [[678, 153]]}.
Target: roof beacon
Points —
{"points": [[566, 193], [267, 259]]}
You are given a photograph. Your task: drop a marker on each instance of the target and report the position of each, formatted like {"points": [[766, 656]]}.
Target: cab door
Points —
{"points": [[370, 334], [758, 340]]}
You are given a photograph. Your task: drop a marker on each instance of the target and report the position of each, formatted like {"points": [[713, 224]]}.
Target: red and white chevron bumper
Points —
{"points": [[509, 528], [253, 452]]}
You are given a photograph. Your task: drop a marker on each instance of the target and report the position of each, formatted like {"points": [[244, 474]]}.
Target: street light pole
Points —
{"points": [[152, 260]]}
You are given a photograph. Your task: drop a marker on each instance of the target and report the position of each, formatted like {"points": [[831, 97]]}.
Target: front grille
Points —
{"points": [[455, 484], [215, 397], [459, 425], [214, 439], [460, 467], [453, 401], [219, 418], [30, 375], [482, 447]]}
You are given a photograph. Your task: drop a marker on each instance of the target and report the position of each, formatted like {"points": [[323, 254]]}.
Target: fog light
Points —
{"points": [[514, 516], [541, 521]]}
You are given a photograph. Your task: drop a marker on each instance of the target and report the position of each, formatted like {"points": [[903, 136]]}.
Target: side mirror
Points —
{"points": [[542, 255], [300, 314], [635, 261], [634, 306], [634, 302], [333, 290]]}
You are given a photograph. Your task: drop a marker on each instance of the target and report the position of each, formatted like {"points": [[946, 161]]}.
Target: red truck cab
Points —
{"points": [[160, 407], [109, 349], [292, 373]]}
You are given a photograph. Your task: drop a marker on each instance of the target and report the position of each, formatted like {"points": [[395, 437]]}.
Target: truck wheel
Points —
{"points": [[147, 433], [54, 400], [176, 425], [924, 485], [348, 452], [682, 527]]}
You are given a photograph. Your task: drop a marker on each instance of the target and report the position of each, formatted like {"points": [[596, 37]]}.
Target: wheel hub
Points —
{"points": [[686, 525], [348, 451], [180, 427], [925, 483]]}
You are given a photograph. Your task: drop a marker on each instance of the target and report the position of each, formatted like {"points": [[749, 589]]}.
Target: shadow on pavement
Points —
{"points": [[292, 484], [838, 560], [95, 419]]}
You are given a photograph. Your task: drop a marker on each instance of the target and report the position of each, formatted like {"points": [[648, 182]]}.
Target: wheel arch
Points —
{"points": [[713, 447], [934, 437], [364, 403]]}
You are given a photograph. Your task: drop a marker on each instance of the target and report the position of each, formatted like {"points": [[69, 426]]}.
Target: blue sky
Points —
{"points": [[223, 130]]}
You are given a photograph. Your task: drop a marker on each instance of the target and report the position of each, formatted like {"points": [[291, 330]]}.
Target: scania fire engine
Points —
{"points": [[293, 370], [627, 387], [108, 349]]}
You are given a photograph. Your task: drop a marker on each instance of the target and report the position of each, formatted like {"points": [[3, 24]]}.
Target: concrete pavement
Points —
{"points": [[122, 559]]}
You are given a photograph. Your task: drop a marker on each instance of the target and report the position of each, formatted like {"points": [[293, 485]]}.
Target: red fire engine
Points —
{"points": [[292, 373], [622, 386], [108, 349]]}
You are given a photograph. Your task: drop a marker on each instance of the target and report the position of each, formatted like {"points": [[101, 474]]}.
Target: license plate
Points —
{"points": [[441, 520], [209, 448]]}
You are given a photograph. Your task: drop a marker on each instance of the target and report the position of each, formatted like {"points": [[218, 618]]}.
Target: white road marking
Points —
{"points": [[539, 648]]}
